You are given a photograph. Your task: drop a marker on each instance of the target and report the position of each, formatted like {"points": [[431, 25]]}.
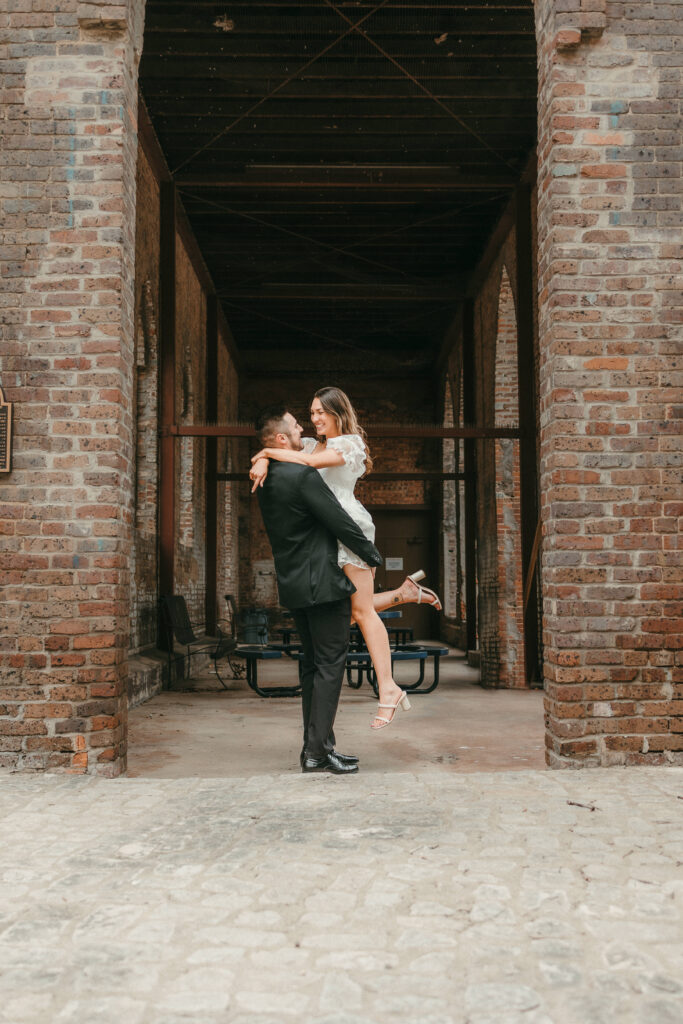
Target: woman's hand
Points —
{"points": [[263, 454], [258, 473]]}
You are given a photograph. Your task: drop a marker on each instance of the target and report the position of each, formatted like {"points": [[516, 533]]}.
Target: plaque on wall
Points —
{"points": [[393, 564], [5, 434]]}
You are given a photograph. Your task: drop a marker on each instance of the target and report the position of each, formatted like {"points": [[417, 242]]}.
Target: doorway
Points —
{"points": [[407, 540]]}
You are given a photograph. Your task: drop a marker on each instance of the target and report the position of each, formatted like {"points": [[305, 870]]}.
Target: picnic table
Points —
{"points": [[253, 654], [359, 666]]}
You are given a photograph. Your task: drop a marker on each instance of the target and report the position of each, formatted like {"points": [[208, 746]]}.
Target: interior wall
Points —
{"points": [[190, 404], [452, 577], [227, 572], [508, 514], [499, 577], [144, 568], [191, 289]]}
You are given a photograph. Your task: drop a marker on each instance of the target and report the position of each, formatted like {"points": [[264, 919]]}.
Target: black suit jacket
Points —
{"points": [[304, 520]]}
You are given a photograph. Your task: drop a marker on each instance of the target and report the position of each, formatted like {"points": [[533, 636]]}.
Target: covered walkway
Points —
{"points": [[208, 733]]}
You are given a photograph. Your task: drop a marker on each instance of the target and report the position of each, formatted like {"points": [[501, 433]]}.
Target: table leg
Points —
{"points": [[269, 691]]}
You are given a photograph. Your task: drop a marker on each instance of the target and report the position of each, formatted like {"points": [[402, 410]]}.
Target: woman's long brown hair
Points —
{"points": [[337, 403]]}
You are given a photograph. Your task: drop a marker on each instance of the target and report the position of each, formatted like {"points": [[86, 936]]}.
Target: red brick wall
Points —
{"points": [[190, 493], [610, 313], [190, 490], [227, 576], [144, 595], [498, 538], [67, 359], [452, 575], [508, 523]]}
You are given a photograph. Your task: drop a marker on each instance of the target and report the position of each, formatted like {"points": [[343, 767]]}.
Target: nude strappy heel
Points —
{"points": [[421, 591], [402, 703]]}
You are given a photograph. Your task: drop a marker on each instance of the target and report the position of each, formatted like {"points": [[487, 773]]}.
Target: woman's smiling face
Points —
{"points": [[324, 423]]}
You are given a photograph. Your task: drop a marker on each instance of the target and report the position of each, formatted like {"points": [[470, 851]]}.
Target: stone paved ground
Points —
{"points": [[503, 898]]}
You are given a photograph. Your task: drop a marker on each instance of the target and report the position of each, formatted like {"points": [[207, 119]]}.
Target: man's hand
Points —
{"points": [[258, 473]]}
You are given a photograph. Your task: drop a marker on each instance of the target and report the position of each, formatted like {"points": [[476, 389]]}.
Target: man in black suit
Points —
{"points": [[304, 520]]}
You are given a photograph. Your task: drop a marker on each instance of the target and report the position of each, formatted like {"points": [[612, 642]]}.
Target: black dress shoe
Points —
{"points": [[345, 758], [331, 763]]}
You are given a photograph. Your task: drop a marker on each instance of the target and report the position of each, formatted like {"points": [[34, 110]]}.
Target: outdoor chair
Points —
{"points": [[179, 629]]}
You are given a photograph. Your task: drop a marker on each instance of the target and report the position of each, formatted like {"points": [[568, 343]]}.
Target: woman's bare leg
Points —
{"points": [[375, 636], [407, 593]]}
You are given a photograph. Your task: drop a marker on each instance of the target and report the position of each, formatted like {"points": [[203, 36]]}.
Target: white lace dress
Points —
{"points": [[342, 480]]}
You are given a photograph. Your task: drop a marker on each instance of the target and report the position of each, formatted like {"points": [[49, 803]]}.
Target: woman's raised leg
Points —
{"points": [[407, 593], [376, 639]]}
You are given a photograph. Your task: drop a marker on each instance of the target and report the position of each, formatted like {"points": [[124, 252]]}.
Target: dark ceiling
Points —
{"points": [[342, 164]]}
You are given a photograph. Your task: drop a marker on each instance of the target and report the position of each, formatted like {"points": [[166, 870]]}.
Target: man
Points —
{"points": [[304, 520]]}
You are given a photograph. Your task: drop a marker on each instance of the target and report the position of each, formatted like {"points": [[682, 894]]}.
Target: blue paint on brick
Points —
{"points": [[564, 171], [615, 218]]}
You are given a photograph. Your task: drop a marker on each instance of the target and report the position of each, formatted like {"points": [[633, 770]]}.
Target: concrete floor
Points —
{"points": [[208, 732]]}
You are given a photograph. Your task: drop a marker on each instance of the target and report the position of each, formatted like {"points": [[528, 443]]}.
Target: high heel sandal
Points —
{"points": [[402, 703], [415, 577]]}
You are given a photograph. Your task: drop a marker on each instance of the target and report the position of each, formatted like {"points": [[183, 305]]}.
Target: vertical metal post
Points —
{"points": [[528, 443], [211, 497], [167, 322], [469, 416]]}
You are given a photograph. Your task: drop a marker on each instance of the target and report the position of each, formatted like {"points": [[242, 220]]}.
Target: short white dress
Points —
{"points": [[342, 480]]}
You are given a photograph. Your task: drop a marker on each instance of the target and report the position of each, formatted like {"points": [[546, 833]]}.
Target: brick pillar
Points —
{"points": [[68, 362], [506, 453], [610, 263]]}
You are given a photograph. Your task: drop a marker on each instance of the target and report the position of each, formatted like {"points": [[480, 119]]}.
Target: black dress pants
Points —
{"points": [[324, 630]]}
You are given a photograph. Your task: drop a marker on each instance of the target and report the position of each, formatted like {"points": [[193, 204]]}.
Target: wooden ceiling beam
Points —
{"points": [[380, 176], [307, 291]]}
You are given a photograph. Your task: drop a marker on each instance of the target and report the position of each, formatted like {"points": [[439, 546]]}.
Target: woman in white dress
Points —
{"points": [[341, 455]]}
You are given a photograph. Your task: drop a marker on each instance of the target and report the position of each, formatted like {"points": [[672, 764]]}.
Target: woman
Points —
{"points": [[341, 455]]}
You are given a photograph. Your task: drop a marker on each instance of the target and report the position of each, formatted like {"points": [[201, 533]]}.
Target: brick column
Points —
{"points": [[610, 263], [67, 344]]}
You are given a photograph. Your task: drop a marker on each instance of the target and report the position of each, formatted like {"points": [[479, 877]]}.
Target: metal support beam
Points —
{"points": [[373, 430], [211, 503], [432, 475], [528, 448], [314, 291], [469, 415], [167, 320]]}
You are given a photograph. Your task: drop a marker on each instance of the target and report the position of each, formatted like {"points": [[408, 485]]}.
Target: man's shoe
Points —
{"points": [[346, 758], [331, 763]]}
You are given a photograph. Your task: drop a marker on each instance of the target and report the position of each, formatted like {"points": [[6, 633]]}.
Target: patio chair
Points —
{"points": [[179, 629]]}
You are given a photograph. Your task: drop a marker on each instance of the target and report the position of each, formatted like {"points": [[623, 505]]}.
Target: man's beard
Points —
{"points": [[295, 446]]}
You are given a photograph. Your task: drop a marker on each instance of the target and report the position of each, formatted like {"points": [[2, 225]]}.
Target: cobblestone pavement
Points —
{"points": [[507, 898]]}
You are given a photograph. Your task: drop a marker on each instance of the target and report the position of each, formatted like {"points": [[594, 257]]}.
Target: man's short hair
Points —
{"points": [[271, 421]]}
